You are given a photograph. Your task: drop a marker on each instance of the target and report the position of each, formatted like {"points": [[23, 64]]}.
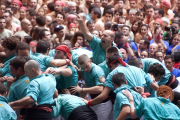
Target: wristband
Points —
{"points": [[131, 100], [67, 61], [90, 102], [126, 45]]}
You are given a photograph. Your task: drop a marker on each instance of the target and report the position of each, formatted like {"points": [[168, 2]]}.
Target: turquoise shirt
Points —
{"points": [[66, 82], [157, 109], [99, 54], [6, 69], [92, 78], [121, 100], [6, 112], [132, 75], [42, 89], [79, 51], [52, 53], [150, 61], [44, 61], [64, 104], [18, 89], [105, 68]]}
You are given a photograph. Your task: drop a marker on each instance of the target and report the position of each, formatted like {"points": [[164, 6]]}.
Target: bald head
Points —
{"points": [[154, 45], [110, 33], [24, 21], [153, 48]]}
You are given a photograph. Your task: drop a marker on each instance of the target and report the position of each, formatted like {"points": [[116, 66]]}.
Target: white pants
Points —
{"points": [[103, 110]]}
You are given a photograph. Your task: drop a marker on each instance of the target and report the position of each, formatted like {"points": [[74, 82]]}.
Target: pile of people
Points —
{"points": [[89, 60]]}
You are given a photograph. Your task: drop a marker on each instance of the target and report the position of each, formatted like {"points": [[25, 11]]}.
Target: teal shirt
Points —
{"points": [[6, 69], [132, 75], [105, 68], [66, 82], [6, 112], [42, 88], [92, 78], [44, 61], [79, 51], [148, 62], [52, 53], [157, 109], [18, 89], [121, 100], [64, 104], [99, 54]]}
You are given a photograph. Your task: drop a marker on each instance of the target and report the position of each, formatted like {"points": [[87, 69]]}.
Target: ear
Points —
{"points": [[5, 94]]}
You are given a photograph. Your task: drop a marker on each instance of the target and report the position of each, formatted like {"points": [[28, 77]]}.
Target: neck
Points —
{"points": [[171, 69], [1, 30], [21, 74], [8, 25]]}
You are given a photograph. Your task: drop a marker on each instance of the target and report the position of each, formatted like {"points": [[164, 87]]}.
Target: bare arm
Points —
{"points": [[57, 62], [83, 29], [125, 112]]}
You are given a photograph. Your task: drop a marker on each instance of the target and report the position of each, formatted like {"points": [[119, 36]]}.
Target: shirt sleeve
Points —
{"points": [[33, 90], [108, 81], [47, 59], [99, 73], [56, 108], [139, 109], [4, 71], [93, 44]]}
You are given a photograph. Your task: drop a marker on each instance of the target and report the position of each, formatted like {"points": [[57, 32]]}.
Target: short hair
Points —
{"points": [[82, 59], [118, 34], [33, 64], [61, 13], [2, 18], [89, 22], [33, 13], [113, 58], [54, 23], [157, 52], [91, 7], [10, 14], [176, 56], [10, 43], [42, 33], [97, 11], [41, 20], [106, 8], [30, 10], [156, 28], [168, 57], [156, 69], [146, 41], [118, 11], [66, 9], [127, 27], [163, 89], [164, 19], [50, 6], [148, 6], [112, 50], [175, 22], [132, 10], [68, 36], [160, 11], [3, 88], [109, 11], [22, 46], [42, 46], [108, 24], [18, 62], [134, 62], [139, 12], [28, 39], [119, 79]]}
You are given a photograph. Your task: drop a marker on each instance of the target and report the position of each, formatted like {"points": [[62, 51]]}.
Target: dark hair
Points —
{"points": [[139, 24], [33, 13], [22, 46], [156, 69], [134, 62], [146, 41], [10, 14], [74, 38], [172, 37], [143, 26], [42, 46], [41, 20], [66, 9], [136, 53], [119, 79], [3, 88], [68, 36], [2, 18], [127, 27], [42, 33], [89, 22], [109, 11], [106, 8], [97, 11], [156, 28], [28, 39], [118, 11], [30, 10], [51, 6], [157, 52], [91, 7], [10, 43], [108, 25], [176, 56], [139, 12], [168, 57], [118, 34], [54, 23], [113, 58], [18, 62], [61, 13], [113, 50], [175, 22], [160, 11]]}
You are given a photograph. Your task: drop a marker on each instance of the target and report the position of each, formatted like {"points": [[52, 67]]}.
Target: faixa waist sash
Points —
{"points": [[172, 82]]}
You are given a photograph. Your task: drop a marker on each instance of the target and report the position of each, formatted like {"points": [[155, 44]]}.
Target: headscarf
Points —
{"points": [[18, 2], [65, 49]]}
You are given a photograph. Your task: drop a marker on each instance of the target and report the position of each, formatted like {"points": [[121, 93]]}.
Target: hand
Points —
{"points": [[84, 100], [76, 89], [10, 80], [102, 79], [128, 95], [78, 18], [54, 71], [77, 44], [47, 70], [1, 65], [3, 79], [139, 89]]}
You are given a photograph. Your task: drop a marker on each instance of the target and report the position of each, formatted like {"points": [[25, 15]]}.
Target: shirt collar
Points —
{"points": [[2, 98], [37, 77], [11, 56]]}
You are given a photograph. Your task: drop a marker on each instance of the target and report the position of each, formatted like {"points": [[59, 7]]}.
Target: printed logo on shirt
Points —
{"points": [[1, 105], [26, 81], [162, 103]]}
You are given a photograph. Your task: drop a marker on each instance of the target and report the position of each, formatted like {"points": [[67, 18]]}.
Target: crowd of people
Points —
{"points": [[89, 59]]}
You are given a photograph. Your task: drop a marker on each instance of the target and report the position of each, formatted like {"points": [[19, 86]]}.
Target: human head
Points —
{"points": [[28, 12], [122, 20], [33, 4], [118, 38], [95, 13], [124, 54], [153, 48], [158, 23], [45, 34], [3, 90], [159, 55], [136, 26], [156, 70], [126, 30], [59, 5], [59, 30], [2, 23], [41, 21], [118, 79], [110, 51], [8, 17], [132, 15], [117, 13], [144, 54], [22, 49], [96, 33], [79, 39], [52, 25], [88, 2], [2, 8], [32, 69], [165, 5], [85, 63], [9, 45], [165, 22], [60, 17], [90, 25], [158, 13], [175, 39], [72, 6], [48, 20], [27, 39], [43, 47], [158, 33], [133, 4], [176, 56], [135, 62], [168, 60], [107, 39], [143, 29], [104, 3], [165, 92], [62, 52], [33, 16], [109, 15], [23, 12], [175, 24], [26, 25], [144, 44], [149, 9], [16, 4], [140, 15], [41, 12]]}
